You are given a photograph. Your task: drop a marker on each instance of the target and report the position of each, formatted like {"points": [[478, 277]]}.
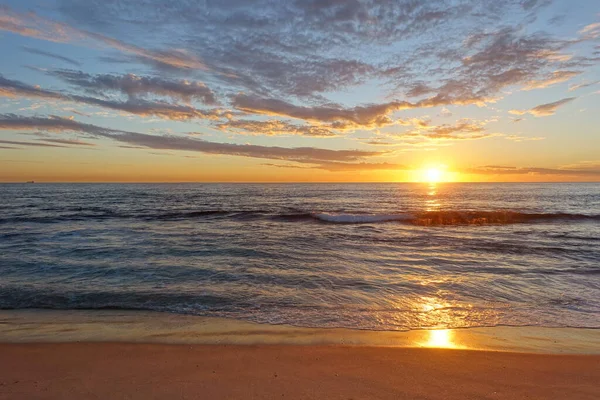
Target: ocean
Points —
{"points": [[395, 256]]}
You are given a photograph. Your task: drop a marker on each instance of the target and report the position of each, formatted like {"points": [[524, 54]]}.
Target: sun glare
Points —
{"points": [[433, 175], [440, 338]]}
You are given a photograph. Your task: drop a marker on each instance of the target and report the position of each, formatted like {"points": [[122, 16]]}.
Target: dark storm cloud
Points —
{"points": [[171, 142]]}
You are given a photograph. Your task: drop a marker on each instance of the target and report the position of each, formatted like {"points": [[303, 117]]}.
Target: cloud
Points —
{"points": [[544, 110], [33, 25], [32, 144], [44, 142], [68, 142], [445, 112], [51, 55], [379, 142], [552, 79], [591, 31], [274, 128], [134, 85], [518, 138], [362, 116], [145, 108], [12, 88], [582, 85], [304, 49], [290, 60], [171, 142], [140, 107], [292, 166], [588, 168], [592, 166], [344, 167], [52, 124], [340, 167], [464, 129], [481, 67], [176, 58]]}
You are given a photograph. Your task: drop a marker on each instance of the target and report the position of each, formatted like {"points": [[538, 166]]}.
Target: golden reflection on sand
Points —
{"points": [[27, 326], [442, 338]]}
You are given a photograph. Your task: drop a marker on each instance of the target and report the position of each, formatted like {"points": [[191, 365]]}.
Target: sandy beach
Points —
{"points": [[159, 371], [80, 354]]}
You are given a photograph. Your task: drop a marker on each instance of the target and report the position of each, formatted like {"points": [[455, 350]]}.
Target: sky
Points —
{"points": [[299, 90]]}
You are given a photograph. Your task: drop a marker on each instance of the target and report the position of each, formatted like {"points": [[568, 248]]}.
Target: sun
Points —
{"points": [[433, 175]]}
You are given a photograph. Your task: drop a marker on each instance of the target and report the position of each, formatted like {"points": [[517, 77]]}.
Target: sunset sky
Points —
{"points": [[305, 90]]}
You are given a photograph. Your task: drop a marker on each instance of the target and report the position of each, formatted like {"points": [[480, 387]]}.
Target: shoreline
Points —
{"points": [[148, 355], [111, 326]]}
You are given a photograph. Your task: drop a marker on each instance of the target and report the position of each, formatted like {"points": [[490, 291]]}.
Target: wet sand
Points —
{"points": [[163, 371], [44, 326]]}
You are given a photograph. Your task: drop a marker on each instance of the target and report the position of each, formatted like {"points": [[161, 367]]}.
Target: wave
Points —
{"points": [[425, 218], [454, 217], [361, 218], [188, 214]]}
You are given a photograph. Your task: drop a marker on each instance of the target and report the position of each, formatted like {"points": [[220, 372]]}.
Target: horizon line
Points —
{"points": [[277, 182]]}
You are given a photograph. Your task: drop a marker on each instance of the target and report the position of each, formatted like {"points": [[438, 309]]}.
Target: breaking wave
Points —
{"points": [[454, 217], [426, 218]]}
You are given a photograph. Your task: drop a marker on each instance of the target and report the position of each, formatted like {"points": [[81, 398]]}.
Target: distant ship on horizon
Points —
{"points": [[30, 182]]}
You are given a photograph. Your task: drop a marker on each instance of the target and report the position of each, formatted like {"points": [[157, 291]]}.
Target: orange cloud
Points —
{"points": [[310, 155], [273, 128], [553, 79], [544, 110]]}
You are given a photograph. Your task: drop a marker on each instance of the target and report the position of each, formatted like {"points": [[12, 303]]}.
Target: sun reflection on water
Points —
{"points": [[432, 203], [435, 312]]}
